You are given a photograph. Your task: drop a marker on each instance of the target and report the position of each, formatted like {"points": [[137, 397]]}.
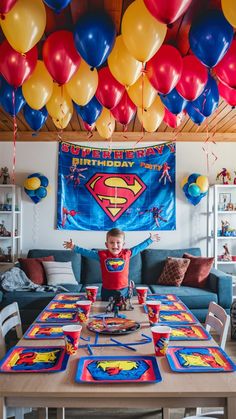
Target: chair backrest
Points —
{"points": [[219, 320], [9, 319]]}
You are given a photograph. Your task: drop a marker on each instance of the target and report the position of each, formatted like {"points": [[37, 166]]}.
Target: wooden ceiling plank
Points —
{"points": [[114, 8], [119, 136]]}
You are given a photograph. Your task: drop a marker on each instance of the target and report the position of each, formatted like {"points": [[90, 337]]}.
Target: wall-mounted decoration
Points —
{"points": [[131, 189]]}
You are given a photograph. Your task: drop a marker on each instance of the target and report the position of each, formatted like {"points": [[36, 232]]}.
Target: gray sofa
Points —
{"points": [[145, 268]]}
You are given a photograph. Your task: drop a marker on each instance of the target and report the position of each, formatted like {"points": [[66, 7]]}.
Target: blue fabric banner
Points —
{"points": [[130, 189]]}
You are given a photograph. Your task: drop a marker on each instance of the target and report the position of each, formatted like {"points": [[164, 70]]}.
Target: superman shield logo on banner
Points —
{"points": [[131, 189]]}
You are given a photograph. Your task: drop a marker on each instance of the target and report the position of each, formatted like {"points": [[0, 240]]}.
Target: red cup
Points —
{"points": [[153, 309], [92, 293], [161, 337], [142, 294], [71, 334], [83, 310]]}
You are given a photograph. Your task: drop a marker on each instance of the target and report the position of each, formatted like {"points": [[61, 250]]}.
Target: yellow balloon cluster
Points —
{"points": [[24, 25], [142, 33]]}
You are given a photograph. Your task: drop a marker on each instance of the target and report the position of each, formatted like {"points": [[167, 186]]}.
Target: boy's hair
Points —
{"points": [[114, 232]]}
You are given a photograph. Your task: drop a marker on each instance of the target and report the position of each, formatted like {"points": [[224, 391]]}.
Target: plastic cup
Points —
{"points": [[161, 337], [83, 310], [71, 334], [153, 309], [142, 294], [91, 292]]}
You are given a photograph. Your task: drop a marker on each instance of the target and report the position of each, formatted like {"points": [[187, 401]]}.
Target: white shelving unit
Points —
{"points": [[10, 224], [220, 199]]}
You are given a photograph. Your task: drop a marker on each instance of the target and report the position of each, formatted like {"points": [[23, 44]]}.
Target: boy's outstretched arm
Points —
{"points": [[142, 246], [92, 254]]}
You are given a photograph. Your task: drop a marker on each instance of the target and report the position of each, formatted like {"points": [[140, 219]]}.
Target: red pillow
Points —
{"points": [[34, 269], [173, 272], [198, 271]]}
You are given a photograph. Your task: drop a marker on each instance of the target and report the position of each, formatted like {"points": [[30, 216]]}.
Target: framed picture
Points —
{"points": [[224, 198]]}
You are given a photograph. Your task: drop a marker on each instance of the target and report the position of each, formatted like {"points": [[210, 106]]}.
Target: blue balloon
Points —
{"points": [[192, 178], [94, 37], [57, 5], [195, 114], [34, 175], [35, 199], [174, 102], [41, 192], [43, 180], [29, 192], [210, 37], [11, 99], [90, 112], [195, 200], [194, 190], [208, 101], [35, 119]]}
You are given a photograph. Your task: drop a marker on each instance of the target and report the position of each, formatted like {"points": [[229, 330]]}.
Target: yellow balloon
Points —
{"points": [[105, 124], [142, 93], [60, 103], [83, 85], [183, 181], [124, 67], [229, 10], [24, 25], [202, 182], [62, 122], [37, 90], [153, 116], [32, 183], [142, 33]]}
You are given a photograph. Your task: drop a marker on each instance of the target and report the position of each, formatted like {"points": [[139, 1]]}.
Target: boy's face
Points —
{"points": [[115, 244]]}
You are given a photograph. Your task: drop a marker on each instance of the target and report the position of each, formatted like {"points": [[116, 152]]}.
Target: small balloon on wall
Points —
{"points": [[36, 186], [195, 187]]}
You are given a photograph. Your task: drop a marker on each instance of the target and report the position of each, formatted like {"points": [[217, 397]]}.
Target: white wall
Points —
{"points": [[39, 220]]}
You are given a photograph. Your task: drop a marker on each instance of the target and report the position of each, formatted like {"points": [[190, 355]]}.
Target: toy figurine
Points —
{"points": [[226, 256], [5, 175], [224, 175], [224, 227], [235, 178]]}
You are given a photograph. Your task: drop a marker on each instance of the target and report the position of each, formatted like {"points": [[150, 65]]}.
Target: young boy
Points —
{"points": [[114, 261]]}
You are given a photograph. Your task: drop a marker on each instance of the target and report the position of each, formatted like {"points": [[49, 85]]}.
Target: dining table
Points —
{"points": [[62, 390]]}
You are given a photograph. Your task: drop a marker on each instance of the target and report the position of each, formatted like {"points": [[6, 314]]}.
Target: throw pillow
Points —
{"points": [[59, 273], [33, 268], [173, 272], [198, 271]]}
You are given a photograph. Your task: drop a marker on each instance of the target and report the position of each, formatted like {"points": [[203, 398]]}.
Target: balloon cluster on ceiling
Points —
{"points": [[107, 78]]}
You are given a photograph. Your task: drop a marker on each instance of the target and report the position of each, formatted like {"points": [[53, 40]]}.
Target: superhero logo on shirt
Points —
{"points": [[115, 265], [115, 193]]}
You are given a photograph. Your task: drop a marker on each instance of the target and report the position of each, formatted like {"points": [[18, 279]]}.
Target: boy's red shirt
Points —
{"points": [[115, 269]]}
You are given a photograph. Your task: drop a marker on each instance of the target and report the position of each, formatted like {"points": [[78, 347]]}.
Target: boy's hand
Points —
{"points": [[155, 237], [69, 245]]}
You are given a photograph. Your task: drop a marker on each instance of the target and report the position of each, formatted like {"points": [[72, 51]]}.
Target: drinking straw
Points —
{"points": [[123, 344], [90, 350]]}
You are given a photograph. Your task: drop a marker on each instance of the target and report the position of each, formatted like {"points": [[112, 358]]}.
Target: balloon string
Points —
{"points": [[143, 71], [110, 131], [14, 135], [59, 135], [125, 127]]}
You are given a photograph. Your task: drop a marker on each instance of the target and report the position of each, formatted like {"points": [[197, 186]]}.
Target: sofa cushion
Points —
{"points": [[59, 273], [60, 256], [198, 270], [192, 297], [91, 271], [34, 270], [174, 271], [153, 261]]}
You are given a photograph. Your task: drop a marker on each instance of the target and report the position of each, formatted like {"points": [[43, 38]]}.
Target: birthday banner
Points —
{"points": [[130, 189]]}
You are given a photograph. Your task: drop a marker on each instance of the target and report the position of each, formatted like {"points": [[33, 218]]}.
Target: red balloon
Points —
{"points": [[193, 78], [109, 91], [6, 6], [125, 110], [167, 11], [88, 127], [60, 56], [15, 67], [173, 120], [226, 69], [227, 93], [164, 69]]}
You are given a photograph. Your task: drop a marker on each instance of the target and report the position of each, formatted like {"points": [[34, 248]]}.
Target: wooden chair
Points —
{"points": [[218, 320], [9, 320]]}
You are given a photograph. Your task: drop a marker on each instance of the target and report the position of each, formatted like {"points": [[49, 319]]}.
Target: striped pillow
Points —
{"points": [[59, 273]]}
